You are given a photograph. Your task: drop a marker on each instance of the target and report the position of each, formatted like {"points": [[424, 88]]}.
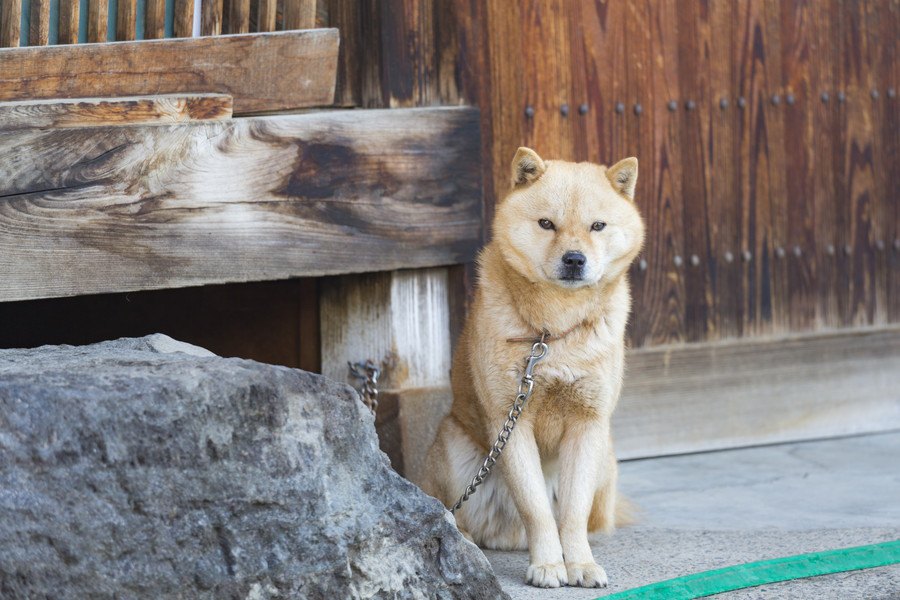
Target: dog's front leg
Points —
{"points": [[581, 461], [521, 468]]}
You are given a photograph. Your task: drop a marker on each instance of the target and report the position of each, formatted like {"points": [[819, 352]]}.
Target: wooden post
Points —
{"points": [[401, 321]]}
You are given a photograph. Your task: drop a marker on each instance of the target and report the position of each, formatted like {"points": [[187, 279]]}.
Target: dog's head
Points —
{"points": [[572, 224]]}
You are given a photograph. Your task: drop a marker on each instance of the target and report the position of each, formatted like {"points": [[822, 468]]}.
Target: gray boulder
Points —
{"points": [[147, 468]]}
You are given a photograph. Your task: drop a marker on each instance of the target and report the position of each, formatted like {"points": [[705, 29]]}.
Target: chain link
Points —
{"points": [[368, 373], [523, 393]]}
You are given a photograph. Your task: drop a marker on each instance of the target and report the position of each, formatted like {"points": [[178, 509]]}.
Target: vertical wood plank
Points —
{"points": [[723, 261], [155, 19], [236, 16], [508, 101], [183, 22], [39, 30], [693, 61], [858, 167], [211, 17], [797, 24], [266, 16], [750, 57], [664, 295], [301, 14], [638, 117], [10, 23], [824, 107], [880, 64], [126, 20], [97, 20], [68, 22]]}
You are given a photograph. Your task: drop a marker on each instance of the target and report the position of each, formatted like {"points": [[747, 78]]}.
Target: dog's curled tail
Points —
{"points": [[607, 514]]}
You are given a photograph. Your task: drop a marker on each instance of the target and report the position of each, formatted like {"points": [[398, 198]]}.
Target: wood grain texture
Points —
{"points": [[98, 112], [39, 29], [154, 19], [97, 20], [68, 22], [792, 184], [236, 16], [126, 20], [10, 23], [730, 394], [267, 11], [146, 207], [211, 14], [263, 72], [299, 14], [399, 321], [183, 21]]}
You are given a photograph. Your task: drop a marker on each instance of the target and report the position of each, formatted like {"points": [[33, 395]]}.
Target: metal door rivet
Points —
{"points": [[723, 103], [677, 260], [638, 109], [695, 260], [892, 93], [829, 249], [582, 110], [742, 102], [564, 110], [847, 249], [672, 105], [529, 111], [642, 265], [896, 244], [620, 108], [874, 94], [776, 99], [798, 252], [729, 257], [779, 252], [690, 105], [842, 97], [825, 97], [880, 245], [747, 256], [790, 99]]}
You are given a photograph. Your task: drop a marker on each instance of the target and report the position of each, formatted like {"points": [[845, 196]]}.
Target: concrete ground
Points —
{"points": [[712, 510]]}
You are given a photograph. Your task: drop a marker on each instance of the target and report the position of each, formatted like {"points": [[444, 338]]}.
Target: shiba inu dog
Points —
{"points": [[563, 239]]}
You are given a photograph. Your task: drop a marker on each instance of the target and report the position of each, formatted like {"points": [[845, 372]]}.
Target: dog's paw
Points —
{"points": [[550, 575], [586, 575]]}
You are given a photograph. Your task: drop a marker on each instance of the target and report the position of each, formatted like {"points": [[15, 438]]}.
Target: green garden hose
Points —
{"points": [[800, 566]]}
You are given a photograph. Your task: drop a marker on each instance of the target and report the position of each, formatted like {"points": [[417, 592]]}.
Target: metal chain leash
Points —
{"points": [[368, 373], [526, 387]]}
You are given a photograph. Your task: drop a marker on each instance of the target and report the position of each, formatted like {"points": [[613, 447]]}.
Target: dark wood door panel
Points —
{"points": [[767, 132]]}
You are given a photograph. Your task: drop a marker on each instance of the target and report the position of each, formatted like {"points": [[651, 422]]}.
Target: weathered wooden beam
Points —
{"points": [[145, 207], [97, 112], [263, 72], [401, 322], [739, 393]]}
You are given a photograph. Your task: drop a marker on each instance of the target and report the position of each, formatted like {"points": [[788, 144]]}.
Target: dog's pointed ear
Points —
{"points": [[527, 166], [623, 176]]}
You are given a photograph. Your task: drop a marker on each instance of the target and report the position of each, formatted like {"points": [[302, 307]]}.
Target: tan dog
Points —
{"points": [[564, 237]]}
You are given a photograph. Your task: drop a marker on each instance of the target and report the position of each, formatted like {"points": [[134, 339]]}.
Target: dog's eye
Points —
{"points": [[546, 224], [598, 226]]}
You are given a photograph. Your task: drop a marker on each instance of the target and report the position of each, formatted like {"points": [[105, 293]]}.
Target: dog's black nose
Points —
{"points": [[574, 259]]}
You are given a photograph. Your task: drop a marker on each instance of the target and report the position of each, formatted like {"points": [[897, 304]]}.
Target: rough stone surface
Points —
{"points": [[141, 468]]}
